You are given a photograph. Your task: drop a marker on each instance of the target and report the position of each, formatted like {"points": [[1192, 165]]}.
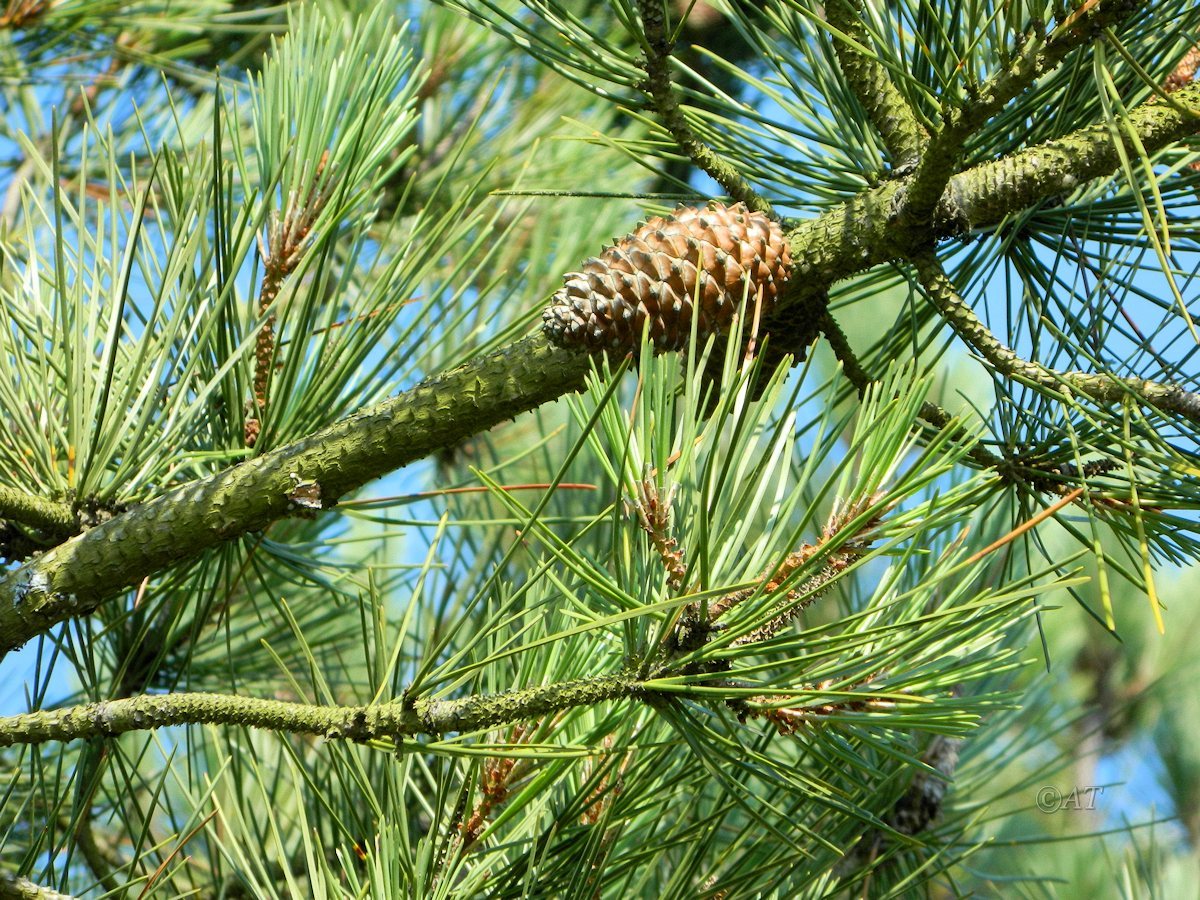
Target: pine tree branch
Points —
{"points": [[1036, 55], [889, 112], [1101, 387], [863, 231], [662, 94], [37, 512], [13, 887], [840, 345], [73, 578], [354, 723]]}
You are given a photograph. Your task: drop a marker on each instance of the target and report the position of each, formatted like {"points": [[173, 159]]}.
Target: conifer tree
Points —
{"points": [[576, 449]]}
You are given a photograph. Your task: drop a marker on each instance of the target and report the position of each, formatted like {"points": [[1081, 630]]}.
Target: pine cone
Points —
{"points": [[651, 276]]}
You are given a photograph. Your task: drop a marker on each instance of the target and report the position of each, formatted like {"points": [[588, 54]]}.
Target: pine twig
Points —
{"points": [[840, 345], [375, 722], [37, 512], [662, 94], [1102, 388], [921, 805], [863, 232], [14, 887], [1010, 469], [889, 112], [1181, 76]]}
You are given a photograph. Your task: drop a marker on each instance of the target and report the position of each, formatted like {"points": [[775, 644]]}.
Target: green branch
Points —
{"points": [[37, 512], [862, 232], [889, 112], [1036, 56], [73, 578], [840, 345], [658, 85], [1100, 387], [13, 887], [355, 723]]}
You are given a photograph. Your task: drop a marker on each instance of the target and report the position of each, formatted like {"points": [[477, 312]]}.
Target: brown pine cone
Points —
{"points": [[651, 276]]}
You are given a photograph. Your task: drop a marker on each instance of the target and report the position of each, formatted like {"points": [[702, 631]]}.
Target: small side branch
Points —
{"points": [[37, 512], [662, 94], [356, 723], [931, 413], [13, 887], [890, 113], [1036, 55], [840, 345], [1102, 388]]}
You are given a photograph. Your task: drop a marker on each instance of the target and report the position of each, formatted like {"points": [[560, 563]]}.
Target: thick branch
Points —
{"points": [[1036, 56], [73, 578], [861, 233], [890, 113], [1102, 388], [356, 723], [658, 85]]}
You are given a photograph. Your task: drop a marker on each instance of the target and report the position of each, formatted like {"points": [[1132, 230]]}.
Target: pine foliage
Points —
{"points": [[828, 535]]}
